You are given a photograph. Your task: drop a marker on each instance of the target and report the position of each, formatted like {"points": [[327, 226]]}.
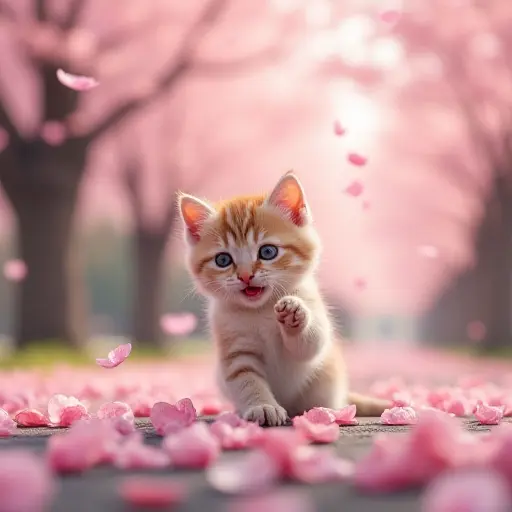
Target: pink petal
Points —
{"points": [[366, 205], [254, 472], [489, 415], [401, 462], [168, 418], [31, 418], [236, 438], [232, 419], [134, 454], [26, 485], [85, 445], [179, 324], [115, 357], [280, 500], [356, 159], [212, 408], [317, 432], [120, 414], [15, 270], [281, 444], [355, 189], [390, 16], [346, 416], [458, 406], [338, 129], [192, 447], [475, 491], [399, 416], [151, 492], [7, 425], [313, 466], [320, 415], [76, 82], [64, 410]]}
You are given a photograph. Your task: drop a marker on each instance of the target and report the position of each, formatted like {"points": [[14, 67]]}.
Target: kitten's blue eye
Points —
{"points": [[223, 259], [268, 252]]}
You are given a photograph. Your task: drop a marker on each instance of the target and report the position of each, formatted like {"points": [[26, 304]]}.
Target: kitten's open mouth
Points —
{"points": [[253, 292]]}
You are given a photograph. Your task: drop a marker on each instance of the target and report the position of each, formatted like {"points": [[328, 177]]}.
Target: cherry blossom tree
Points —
{"points": [[446, 66], [140, 53]]}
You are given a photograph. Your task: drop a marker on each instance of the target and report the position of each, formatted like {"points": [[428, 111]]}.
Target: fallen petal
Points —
{"points": [[399, 416], [469, 492], [251, 473], [26, 484], [311, 465], [7, 425], [151, 492], [192, 447], [31, 418], [489, 415], [346, 416], [317, 432]]}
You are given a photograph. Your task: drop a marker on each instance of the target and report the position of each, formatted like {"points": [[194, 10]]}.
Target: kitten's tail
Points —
{"points": [[367, 405]]}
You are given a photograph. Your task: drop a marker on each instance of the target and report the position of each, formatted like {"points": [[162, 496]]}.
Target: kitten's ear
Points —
{"points": [[288, 196], [193, 212]]}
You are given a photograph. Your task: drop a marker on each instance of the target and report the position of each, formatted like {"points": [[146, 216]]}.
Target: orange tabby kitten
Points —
{"points": [[255, 258]]}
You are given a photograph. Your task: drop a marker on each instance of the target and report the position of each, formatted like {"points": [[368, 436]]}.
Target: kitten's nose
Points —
{"points": [[245, 277]]}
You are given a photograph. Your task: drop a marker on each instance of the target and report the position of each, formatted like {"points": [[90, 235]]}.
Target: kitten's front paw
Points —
{"points": [[270, 415], [292, 313]]}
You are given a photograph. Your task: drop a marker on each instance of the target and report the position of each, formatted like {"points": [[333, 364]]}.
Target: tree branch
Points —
{"points": [[180, 66]]}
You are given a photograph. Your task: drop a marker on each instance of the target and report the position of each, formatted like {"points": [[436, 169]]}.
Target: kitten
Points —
{"points": [[255, 258]]}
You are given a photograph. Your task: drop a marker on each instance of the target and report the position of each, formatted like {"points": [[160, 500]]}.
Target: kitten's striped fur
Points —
{"points": [[276, 351]]}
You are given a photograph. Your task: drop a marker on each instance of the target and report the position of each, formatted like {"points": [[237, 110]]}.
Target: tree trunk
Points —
{"points": [[149, 284], [41, 182], [483, 292]]}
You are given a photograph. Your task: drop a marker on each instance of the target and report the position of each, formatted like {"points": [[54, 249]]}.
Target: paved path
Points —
{"points": [[95, 491]]}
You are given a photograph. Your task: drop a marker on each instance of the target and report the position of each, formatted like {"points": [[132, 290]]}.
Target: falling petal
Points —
{"points": [[356, 159], [15, 270], [115, 357], [355, 189], [338, 129], [179, 324], [76, 82]]}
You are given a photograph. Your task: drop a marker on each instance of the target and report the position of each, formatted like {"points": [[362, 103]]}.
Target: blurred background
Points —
{"points": [[396, 115]]}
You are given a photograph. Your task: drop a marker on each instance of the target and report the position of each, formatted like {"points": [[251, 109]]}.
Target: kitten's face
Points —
{"points": [[250, 250]]}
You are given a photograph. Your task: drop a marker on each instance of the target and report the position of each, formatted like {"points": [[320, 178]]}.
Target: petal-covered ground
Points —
{"points": [[91, 434]]}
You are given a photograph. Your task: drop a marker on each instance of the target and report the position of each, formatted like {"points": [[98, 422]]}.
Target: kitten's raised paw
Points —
{"points": [[270, 415], [292, 312]]}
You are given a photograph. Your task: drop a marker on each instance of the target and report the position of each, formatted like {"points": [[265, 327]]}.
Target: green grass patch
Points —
{"points": [[48, 354]]}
